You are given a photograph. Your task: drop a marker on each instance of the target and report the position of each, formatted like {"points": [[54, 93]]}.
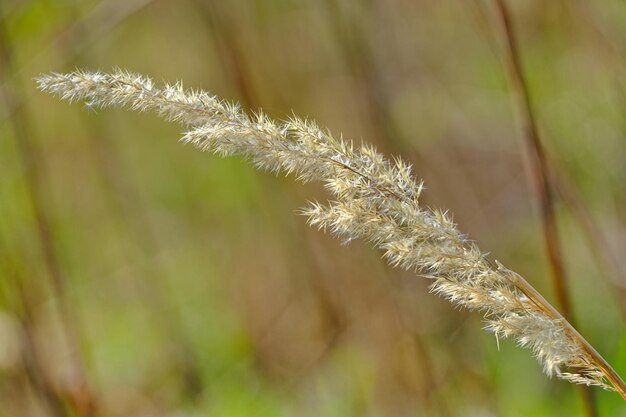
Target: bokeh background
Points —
{"points": [[140, 277]]}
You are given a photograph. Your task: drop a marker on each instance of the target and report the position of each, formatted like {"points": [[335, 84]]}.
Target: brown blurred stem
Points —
{"points": [[361, 61], [80, 394], [537, 164], [15, 275], [228, 42], [123, 190], [353, 43], [592, 232], [229, 49], [538, 171]]}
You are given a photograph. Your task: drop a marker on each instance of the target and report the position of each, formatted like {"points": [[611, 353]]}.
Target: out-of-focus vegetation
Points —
{"points": [[141, 277]]}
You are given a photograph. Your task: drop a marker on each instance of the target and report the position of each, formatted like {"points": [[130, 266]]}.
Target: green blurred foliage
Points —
{"points": [[190, 286]]}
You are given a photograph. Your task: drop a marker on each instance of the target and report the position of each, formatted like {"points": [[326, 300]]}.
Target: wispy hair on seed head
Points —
{"points": [[373, 198]]}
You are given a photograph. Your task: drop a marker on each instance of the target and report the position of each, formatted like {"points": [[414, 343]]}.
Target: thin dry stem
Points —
{"points": [[537, 165]]}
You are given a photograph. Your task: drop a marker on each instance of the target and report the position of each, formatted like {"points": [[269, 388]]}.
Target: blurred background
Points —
{"points": [[140, 277]]}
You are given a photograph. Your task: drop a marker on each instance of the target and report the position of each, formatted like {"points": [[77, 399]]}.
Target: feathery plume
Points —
{"points": [[373, 198]]}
